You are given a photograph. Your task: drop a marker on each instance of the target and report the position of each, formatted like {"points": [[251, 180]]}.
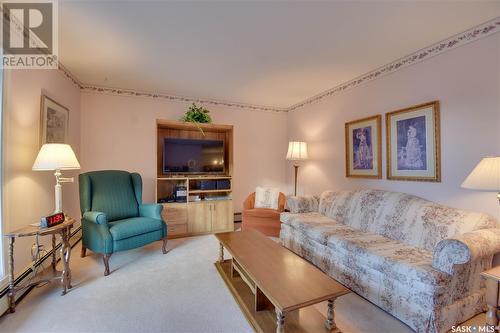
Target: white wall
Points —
{"points": [[119, 132], [465, 80], [28, 194]]}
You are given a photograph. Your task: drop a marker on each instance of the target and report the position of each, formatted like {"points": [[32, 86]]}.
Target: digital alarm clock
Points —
{"points": [[52, 220]]}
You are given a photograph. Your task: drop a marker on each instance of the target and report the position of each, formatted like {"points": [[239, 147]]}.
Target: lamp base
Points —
{"points": [[58, 190]]}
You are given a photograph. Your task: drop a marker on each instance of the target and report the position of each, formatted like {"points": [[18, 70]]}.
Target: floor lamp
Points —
{"points": [[297, 151]]}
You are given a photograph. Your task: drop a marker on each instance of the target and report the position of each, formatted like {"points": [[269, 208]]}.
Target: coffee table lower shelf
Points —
{"points": [[306, 319]]}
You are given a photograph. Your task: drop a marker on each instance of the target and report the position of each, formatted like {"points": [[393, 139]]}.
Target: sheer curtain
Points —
{"points": [[3, 252]]}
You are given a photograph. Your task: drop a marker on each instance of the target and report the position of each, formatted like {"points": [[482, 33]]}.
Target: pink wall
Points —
{"points": [[116, 132], [465, 80], [119, 132], [30, 194]]}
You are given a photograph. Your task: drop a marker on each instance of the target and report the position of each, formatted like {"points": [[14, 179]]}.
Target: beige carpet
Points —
{"points": [[150, 292]]}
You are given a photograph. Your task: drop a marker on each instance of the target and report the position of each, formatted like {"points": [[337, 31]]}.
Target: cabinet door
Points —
{"points": [[175, 213], [199, 217], [222, 216]]}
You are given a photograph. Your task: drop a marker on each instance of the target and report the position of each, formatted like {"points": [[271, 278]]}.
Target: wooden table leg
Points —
{"points": [[280, 322], [12, 292], [491, 317], [65, 256], [221, 252], [492, 301], [54, 260], [330, 316]]}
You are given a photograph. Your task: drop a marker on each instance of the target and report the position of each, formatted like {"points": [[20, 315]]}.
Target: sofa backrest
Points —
{"points": [[399, 216]]}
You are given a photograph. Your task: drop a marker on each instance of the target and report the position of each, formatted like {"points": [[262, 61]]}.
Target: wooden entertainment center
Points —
{"points": [[213, 212]]}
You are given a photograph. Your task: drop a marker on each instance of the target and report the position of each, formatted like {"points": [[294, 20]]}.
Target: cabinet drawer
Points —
{"points": [[175, 214], [177, 229]]}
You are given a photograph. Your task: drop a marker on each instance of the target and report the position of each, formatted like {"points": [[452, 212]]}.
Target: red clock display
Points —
{"points": [[55, 219]]}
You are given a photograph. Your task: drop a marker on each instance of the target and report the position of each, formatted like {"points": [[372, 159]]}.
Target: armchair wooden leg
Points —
{"points": [[84, 251], [164, 245], [106, 264]]}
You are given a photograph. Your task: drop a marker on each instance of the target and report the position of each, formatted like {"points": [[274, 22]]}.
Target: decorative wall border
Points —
{"points": [[134, 93], [476, 33], [483, 30], [64, 71]]}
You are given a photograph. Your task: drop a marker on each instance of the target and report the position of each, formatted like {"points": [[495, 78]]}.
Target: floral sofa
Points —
{"points": [[418, 260]]}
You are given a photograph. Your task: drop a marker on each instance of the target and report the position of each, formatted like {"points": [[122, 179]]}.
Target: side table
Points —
{"points": [[64, 230], [492, 296]]}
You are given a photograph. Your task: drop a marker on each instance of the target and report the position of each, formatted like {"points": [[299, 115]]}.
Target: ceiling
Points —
{"points": [[263, 53]]}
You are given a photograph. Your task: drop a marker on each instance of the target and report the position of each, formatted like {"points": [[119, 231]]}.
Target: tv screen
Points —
{"points": [[193, 156]]}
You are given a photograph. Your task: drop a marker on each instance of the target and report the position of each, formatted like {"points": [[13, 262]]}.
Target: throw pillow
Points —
{"points": [[266, 197]]}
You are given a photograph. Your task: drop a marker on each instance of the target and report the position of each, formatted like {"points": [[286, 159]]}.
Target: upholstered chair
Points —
{"points": [[264, 220], [113, 215]]}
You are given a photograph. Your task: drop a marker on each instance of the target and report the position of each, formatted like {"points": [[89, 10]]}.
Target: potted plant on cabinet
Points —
{"points": [[197, 115]]}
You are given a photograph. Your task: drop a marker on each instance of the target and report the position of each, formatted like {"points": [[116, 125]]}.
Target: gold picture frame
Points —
{"points": [[363, 148], [413, 143], [54, 121]]}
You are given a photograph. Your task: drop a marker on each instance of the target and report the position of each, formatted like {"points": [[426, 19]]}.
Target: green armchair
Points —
{"points": [[113, 215]]}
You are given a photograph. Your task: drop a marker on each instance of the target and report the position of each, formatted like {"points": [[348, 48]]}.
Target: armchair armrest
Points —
{"points": [[304, 204], [96, 217], [151, 210], [465, 248], [249, 201]]}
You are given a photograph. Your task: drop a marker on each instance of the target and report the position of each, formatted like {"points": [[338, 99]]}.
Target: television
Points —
{"points": [[193, 156]]}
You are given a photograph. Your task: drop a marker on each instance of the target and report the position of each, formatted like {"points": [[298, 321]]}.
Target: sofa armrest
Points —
{"points": [[96, 217], [151, 210], [465, 248], [304, 204]]}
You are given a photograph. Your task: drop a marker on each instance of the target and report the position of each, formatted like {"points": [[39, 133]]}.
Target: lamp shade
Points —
{"points": [[297, 151], [56, 156], [485, 176]]}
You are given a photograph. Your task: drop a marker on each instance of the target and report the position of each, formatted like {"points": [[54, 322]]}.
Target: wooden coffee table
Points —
{"points": [[271, 283]]}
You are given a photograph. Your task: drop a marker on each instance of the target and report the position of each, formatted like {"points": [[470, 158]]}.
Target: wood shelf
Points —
{"points": [[191, 177], [208, 191]]}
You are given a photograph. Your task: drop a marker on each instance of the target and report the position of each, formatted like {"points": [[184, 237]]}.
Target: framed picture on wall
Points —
{"points": [[54, 120], [363, 148], [413, 143]]}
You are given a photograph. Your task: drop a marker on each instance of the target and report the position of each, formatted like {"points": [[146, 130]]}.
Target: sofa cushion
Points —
{"points": [[304, 219], [266, 197], [399, 261], [316, 226], [134, 226]]}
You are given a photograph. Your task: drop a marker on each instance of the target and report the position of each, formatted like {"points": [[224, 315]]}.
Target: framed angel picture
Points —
{"points": [[363, 148], [413, 143], [53, 122]]}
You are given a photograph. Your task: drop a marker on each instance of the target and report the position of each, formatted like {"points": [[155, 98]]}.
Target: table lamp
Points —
{"points": [[485, 176], [57, 156], [297, 151]]}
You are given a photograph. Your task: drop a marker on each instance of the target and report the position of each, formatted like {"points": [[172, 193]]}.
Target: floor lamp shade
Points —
{"points": [[57, 157], [297, 151], [485, 176]]}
